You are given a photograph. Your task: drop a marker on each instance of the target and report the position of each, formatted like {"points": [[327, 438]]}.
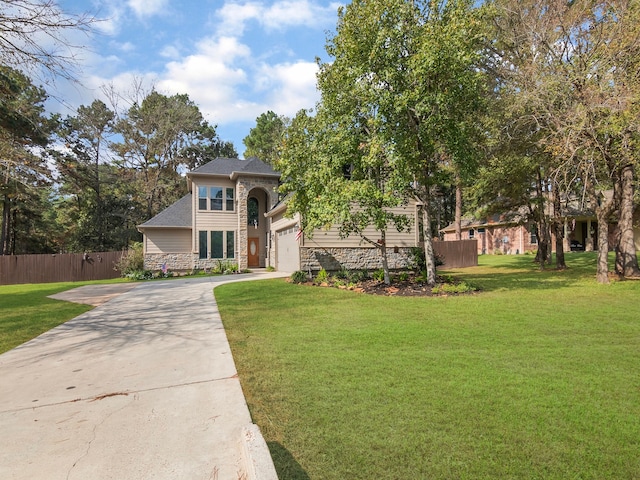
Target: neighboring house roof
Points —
{"points": [[494, 220], [177, 215], [232, 167]]}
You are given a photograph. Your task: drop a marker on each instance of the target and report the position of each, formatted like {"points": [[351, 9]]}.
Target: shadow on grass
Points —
{"points": [[521, 272], [286, 465]]}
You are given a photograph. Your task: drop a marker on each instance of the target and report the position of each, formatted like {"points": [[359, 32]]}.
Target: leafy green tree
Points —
{"points": [[398, 99], [339, 176], [265, 139], [207, 146], [162, 137], [23, 131], [91, 206], [573, 67]]}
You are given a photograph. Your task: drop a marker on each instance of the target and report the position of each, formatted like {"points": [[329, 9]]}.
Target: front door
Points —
{"points": [[253, 259]]}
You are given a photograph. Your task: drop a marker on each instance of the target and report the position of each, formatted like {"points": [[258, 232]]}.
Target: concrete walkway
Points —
{"points": [[142, 387]]}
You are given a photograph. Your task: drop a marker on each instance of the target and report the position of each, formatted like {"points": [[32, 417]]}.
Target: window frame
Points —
{"points": [[232, 199], [213, 198], [230, 244], [203, 243], [217, 244], [202, 198]]}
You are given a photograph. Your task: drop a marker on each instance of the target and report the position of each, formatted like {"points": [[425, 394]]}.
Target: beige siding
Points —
{"points": [[331, 238], [279, 221], [167, 240], [214, 220]]}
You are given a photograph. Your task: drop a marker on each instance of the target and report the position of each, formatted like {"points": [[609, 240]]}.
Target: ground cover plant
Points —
{"points": [[536, 376], [26, 311]]}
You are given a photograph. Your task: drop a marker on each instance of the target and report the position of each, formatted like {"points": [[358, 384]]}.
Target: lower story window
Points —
{"points": [[216, 245], [203, 245], [215, 239], [231, 244]]}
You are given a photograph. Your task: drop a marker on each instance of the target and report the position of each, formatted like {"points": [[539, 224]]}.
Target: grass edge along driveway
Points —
{"points": [[26, 311], [536, 377]]}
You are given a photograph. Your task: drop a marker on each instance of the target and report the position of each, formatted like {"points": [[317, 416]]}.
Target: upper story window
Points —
{"points": [[216, 198]]}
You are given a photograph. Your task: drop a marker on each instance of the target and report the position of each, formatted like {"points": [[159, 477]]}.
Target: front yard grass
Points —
{"points": [[538, 376], [26, 312]]}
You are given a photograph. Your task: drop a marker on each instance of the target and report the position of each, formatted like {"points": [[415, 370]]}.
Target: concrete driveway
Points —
{"points": [[142, 387]]}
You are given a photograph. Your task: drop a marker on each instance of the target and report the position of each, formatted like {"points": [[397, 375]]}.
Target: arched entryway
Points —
{"points": [[257, 204]]}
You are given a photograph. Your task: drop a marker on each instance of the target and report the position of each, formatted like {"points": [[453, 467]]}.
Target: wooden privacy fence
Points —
{"points": [[59, 267], [458, 253]]}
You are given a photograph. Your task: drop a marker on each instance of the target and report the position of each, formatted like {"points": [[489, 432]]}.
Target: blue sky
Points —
{"points": [[235, 59]]}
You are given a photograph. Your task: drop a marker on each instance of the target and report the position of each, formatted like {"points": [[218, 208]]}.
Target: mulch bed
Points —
{"points": [[411, 287]]}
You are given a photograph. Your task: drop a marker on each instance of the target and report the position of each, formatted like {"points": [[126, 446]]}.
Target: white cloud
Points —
{"points": [[228, 87], [147, 8], [278, 16], [291, 86], [211, 77], [170, 51], [233, 16]]}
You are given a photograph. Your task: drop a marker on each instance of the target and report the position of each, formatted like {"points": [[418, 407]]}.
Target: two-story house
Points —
{"points": [[222, 218], [233, 214]]}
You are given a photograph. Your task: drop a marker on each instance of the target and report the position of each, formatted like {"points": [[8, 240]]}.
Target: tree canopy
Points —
{"points": [[265, 139]]}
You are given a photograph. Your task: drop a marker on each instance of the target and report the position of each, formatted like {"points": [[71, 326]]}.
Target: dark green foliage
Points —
{"points": [[299, 277]]}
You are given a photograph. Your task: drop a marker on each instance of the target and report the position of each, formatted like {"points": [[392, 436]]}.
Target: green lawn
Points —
{"points": [[537, 376], [26, 312]]}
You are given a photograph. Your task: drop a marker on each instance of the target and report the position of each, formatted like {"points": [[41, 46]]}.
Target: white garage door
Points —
{"points": [[287, 254]]}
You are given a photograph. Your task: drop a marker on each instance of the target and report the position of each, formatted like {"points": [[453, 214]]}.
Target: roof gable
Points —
{"points": [[177, 215], [232, 167]]}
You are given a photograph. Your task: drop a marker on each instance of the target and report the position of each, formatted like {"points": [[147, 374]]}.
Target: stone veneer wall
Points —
{"points": [[176, 262], [182, 262], [353, 258]]}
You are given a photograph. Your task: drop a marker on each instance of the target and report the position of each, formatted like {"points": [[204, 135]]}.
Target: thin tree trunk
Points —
{"points": [[626, 259], [6, 225], [602, 269], [429, 255], [385, 260], [541, 223], [458, 214], [603, 209], [558, 229]]}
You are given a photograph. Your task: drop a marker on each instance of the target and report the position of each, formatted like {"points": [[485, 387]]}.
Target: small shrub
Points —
{"points": [[342, 274], [358, 276], [419, 262], [322, 276], [230, 268], [299, 277], [378, 275], [271, 268], [446, 278], [131, 261], [140, 275], [403, 276], [461, 287]]}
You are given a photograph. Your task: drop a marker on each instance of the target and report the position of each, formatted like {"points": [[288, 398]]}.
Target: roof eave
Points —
{"points": [[235, 175]]}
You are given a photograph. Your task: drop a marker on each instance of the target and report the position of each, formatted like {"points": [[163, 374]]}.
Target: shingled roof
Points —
{"points": [[177, 215], [230, 166]]}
